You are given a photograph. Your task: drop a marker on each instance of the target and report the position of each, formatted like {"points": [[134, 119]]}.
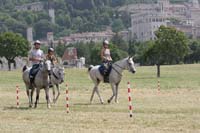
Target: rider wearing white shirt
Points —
{"points": [[36, 56]]}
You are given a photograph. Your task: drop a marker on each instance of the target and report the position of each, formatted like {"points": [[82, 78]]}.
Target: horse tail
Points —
{"points": [[24, 68], [90, 67]]}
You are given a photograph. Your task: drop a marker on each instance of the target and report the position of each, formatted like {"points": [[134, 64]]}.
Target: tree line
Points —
{"points": [[71, 16], [170, 47]]}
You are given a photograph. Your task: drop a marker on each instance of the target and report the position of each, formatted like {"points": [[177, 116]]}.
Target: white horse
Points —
{"points": [[57, 77], [114, 77], [41, 81]]}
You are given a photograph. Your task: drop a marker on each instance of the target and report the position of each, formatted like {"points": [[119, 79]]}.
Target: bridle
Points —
{"points": [[119, 67]]}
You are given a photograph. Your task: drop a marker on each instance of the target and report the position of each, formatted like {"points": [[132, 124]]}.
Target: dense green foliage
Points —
{"points": [[71, 16], [13, 45], [91, 15], [170, 47]]}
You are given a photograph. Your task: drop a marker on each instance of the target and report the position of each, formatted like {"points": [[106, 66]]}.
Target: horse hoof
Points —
{"points": [[48, 106], [108, 101], [102, 102]]}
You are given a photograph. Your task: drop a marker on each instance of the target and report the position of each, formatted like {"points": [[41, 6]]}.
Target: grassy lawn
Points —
{"points": [[174, 109]]}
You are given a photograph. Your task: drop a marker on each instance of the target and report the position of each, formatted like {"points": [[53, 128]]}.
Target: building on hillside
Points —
{"points": [[29, 34], [70, 57], [36, 6], [52, 15], [88, 37], [145, 24], [145, 18]]}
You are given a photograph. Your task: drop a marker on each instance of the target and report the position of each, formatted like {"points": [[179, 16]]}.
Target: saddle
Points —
{"points": [[105, 72], [33, 72]]}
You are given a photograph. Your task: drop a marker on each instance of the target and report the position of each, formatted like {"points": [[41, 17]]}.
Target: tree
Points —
{"points": [[117, 25], [170, 47], [119, 42], [42, 27], [13, 45], [194, 54]]}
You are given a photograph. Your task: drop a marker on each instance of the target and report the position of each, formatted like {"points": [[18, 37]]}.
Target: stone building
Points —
{"points": [[145, 24], [36, 6]]}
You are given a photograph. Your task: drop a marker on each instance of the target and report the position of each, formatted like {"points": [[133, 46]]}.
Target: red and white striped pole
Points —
{"points": [[67, 98], [158, 85], [17, 98], [129, 99]]}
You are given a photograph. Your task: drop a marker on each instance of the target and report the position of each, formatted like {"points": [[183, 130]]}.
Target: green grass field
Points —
{"points": [[174, 109]]}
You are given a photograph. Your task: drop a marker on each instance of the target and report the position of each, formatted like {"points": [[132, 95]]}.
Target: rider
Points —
{"points": [[36, 56], [106, 59], [50, 56]]}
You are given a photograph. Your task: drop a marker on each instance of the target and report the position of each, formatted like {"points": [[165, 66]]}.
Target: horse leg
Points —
{"points": [[114, 93], [58, 89], [54, 93], [29, 98], [92, 94], [32, 91], [100, 98], [47, 97], [37, 96]]}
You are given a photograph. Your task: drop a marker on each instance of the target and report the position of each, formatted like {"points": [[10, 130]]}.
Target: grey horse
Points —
{"points": [[57, 77], [41, 81], [114, 77]]}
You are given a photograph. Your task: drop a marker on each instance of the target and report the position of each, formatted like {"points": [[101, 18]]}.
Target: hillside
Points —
{"points": [[71, 16]]}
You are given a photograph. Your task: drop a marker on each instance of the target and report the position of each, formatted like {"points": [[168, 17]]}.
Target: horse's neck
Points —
{"points": [[120, 66], [43, 71], [121, 63]]}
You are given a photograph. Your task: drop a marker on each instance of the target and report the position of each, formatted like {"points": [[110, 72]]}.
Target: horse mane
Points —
{"points": [[24, 68]]}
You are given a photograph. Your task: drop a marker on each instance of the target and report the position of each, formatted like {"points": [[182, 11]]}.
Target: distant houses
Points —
{"points": [[147, 18], [36, 6], [88, 37]]}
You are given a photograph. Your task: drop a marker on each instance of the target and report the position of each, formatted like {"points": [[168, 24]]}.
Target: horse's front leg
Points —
{"points": [[114, 93], [37, 96], [47, 97], [32, 91], [53, 90], [58, 89]]}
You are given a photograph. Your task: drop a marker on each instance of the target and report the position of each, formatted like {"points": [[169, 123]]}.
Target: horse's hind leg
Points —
{"points": [[29, 98], [91, 98], [96, 89], [100, 98]]}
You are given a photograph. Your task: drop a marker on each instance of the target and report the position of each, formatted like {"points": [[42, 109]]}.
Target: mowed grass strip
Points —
{"points": [[174, 109]]}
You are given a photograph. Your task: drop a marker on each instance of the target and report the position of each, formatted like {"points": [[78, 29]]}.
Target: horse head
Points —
{"points": [[131, 65], [46, 65], [61, 73]]}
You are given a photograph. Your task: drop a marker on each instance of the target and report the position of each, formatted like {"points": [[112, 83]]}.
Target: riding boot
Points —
{"points": [[106, 79], [106, 76]]}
